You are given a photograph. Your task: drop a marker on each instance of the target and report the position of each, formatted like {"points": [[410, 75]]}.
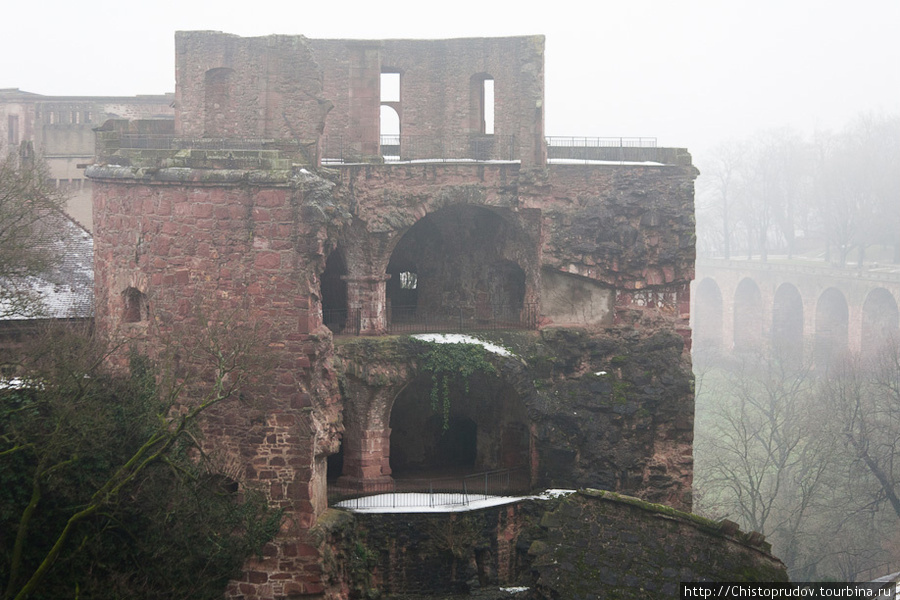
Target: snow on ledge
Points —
{"points": [[422, 502], [456, 338]]}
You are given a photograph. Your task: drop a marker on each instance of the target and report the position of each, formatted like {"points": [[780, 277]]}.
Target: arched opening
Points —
{"points": [[707, 333], [218, 102], [390, 132], [487, 429], [134, 306], [880, 322], [334, 293], [389, 127], [787, 324], [832, 326], [748, 323], [454, 265]]}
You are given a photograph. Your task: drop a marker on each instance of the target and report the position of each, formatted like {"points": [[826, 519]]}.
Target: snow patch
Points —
{"points": [[456, 338]]}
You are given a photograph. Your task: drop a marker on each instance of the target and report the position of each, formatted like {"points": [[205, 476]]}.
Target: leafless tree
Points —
{"points": [[29, 234]]}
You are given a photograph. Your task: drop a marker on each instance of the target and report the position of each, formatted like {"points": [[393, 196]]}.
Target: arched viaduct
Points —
{"points": [[746, 305]]}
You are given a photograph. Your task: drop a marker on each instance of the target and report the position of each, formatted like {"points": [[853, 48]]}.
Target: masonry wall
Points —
{"points": [[588, 544], [439, 88], [232, 251], [233, 87]]}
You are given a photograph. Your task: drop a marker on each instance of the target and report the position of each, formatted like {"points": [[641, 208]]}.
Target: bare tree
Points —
{"points": [[58, 420], [29, 233]]}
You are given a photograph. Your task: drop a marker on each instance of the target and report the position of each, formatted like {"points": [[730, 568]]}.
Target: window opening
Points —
{"points": [[135, 308], [334, 293], [408, 280], [390, 87], [13, 131], [487, 107]]}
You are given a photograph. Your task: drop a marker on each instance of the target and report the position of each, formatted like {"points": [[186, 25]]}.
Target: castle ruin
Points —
{"points": [[276, 196]]}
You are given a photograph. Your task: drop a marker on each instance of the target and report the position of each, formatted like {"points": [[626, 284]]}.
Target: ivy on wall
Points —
{"points": [[449, 361]]}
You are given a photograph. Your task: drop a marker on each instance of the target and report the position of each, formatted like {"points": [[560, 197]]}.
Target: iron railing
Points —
{"points": [[600, 142], [412, 319], [461, 490], [337, 149]]}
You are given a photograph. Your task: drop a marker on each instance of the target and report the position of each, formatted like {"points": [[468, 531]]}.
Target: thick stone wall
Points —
{"points": [[233, 87], [212, 245], [595, 543], [583, 545], [609, 406]]}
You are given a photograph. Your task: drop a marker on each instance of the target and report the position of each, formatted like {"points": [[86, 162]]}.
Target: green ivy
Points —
{"points": [[449, 361]]}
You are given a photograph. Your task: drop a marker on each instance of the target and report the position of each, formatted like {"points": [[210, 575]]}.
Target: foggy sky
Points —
{"points": [[690, 73]]}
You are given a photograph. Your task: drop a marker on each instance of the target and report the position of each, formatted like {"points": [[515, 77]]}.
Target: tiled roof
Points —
{"points": [[66, 290]]}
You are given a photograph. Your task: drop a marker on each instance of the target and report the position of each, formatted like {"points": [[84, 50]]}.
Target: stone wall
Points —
{"points": [[189, 240], [211, 246], [584, 545], [233, 87]]}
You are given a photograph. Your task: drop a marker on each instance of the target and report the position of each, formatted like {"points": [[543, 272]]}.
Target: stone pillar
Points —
{"points": [[366, 459], [366, 301]]}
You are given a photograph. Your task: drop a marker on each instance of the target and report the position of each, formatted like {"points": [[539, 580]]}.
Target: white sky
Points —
{"points": [[690, 73]]}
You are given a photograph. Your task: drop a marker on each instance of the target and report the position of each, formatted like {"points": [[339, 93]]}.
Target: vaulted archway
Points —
{"points": [[458, 264]]}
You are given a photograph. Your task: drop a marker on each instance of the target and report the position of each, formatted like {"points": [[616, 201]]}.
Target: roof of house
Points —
{"points": [[66, 290]]}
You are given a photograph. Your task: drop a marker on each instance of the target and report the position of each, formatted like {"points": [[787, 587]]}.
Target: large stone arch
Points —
{"points": [[708, 314], [787, 323], [376, 391], [487, 428], [832, 327], [880, 321], [467, 260], [748, 323]]}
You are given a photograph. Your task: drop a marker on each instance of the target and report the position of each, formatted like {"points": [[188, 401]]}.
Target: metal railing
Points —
{"points": [[600, 142], [412, 319], [430, 492], [338, 149]]}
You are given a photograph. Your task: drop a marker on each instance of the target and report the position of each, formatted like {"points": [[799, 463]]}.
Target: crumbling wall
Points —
{"points": [[212, 245], [234, 87], [578, 545]]}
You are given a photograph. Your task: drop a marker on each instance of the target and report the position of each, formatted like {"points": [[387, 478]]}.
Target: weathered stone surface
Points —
{"points": [[595, 259], [588, 544]]}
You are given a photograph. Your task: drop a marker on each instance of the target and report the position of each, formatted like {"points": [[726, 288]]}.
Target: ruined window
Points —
{"points": [[389, 124], [487, 106], [135, 306], [482, 104], [408, 281], [13, 131], [334, 293], [218, 102], [390, 87], [390, 131]]}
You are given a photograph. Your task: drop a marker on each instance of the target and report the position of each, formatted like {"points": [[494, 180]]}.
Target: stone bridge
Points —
{"points": [[747, 305]]}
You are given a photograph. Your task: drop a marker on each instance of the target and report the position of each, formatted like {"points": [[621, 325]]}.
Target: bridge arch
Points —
{"points": [[880, 321], [832, 327], [748, 321], [787, 322]]}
